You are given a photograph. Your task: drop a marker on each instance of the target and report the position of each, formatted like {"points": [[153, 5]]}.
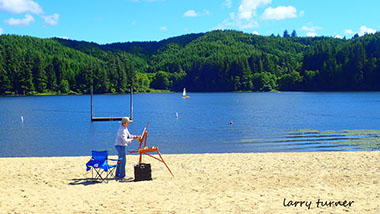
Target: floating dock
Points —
{"points": [[110, 118], [105, 118]]}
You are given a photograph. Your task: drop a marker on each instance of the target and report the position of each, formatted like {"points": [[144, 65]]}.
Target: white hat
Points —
{"points": [[125, 119]]}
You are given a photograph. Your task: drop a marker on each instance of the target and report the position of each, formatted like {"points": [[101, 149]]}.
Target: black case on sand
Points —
{"points": [[143, 172]]}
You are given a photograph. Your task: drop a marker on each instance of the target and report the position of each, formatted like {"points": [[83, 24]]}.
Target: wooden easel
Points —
{"points": [[145, 150]]}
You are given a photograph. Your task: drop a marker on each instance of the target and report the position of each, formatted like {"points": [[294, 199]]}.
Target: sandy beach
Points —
{"points": [[329, 182]]}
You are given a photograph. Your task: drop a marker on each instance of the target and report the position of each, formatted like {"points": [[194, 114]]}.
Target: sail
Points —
{"points": [[184, 93]]}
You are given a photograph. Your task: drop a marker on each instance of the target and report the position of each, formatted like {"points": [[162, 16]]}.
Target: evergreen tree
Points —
{"points": [[39, 73], [5, 84], [286, 34], [51, 78], [294, 33], [122, 81], [25, 78], [160, 81]]}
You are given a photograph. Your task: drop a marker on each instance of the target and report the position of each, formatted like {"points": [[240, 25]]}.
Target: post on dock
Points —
{"points": [[109, 118], [131, 103], [92, 108]]}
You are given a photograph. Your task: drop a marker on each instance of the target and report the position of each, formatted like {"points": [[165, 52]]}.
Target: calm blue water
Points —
{"points": [[61, 125]]}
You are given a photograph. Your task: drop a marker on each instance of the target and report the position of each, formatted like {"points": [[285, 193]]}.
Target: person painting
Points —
{"points": [[123, 138]]}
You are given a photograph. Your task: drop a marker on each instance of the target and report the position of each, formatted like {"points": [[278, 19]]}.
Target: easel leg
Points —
{"points": [[165, 163]]}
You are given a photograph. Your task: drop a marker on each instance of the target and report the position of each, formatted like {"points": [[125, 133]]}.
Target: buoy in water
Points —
{"points": [[231, 123], [22, 119], [176, 115]]}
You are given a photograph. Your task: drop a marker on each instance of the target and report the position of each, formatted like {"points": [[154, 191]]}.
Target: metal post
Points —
{"points": [[131, 102], [92, 109]]}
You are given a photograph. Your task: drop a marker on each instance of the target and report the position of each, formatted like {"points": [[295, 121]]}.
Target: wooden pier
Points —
{"points": [[110, 118]]}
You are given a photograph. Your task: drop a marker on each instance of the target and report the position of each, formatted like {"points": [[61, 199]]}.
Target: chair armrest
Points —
{"points": [[118, 160], [89, 164]]}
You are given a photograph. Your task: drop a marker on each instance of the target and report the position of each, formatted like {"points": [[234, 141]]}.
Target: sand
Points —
{"points": [[203, 183]]}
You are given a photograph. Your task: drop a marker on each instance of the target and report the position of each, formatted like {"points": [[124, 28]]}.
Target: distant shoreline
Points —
{"points": [[75, 93], [167, 91]]}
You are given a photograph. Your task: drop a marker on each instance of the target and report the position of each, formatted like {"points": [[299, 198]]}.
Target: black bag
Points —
{"points": [[143, 172]]}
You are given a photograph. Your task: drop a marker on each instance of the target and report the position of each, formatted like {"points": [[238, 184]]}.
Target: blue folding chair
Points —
{"points": [[99, 164]]}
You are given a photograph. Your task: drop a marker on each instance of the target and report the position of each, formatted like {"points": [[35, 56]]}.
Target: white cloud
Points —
{"points": [[311, 34], [63, 37], [190, 13], [363, 30], [163, 28], [247, 8], [348, 31], [235, 22], [302, 13], [338, 36], [243, 18], [20, 22], [366, 30], [311, 30], [20, 6], [255, 33], [1, 31], [51, 20], [279, 13], [247, 25]]}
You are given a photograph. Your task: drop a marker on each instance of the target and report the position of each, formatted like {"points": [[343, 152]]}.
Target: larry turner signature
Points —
{"points": [[319, 203]]}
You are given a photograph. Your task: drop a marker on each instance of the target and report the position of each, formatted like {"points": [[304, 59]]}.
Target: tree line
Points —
{"points": [[213, 61]]}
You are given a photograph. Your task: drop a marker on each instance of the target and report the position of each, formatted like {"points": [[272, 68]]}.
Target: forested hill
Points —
{"points": [[213, 61]]}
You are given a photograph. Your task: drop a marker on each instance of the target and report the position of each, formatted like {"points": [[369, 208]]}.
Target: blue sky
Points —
{"points": [[108, 21]]}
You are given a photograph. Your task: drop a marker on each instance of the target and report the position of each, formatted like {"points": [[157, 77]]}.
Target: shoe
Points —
{"points": [[125, 179]]}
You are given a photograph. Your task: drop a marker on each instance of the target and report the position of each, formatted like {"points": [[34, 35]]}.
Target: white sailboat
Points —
{"points": [[184, 93]]}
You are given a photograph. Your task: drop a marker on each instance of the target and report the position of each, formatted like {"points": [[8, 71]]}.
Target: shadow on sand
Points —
{"points": [[91, 181]]}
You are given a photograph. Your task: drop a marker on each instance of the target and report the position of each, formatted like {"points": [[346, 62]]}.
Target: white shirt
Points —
{"points": [[123, 137]]}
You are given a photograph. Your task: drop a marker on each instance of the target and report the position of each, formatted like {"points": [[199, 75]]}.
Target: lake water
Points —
{"points": [[261, 122]]}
